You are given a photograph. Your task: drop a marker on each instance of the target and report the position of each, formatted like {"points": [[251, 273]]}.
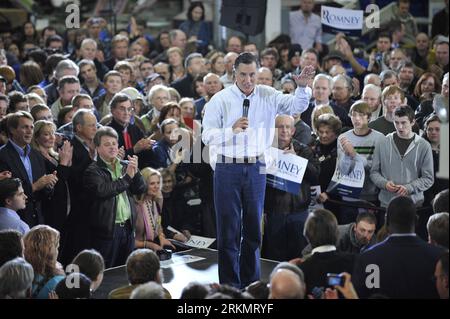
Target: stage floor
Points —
{"points": [[183, 268]]}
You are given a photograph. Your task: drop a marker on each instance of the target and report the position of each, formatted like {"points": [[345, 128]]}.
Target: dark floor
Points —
{"points": [[177, 276]]}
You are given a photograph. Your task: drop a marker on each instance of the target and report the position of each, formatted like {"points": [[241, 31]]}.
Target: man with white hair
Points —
{"points": [[322, 86], [286, 213], [150, 290], [212, 85], [264, 76], [88, 50], [372, 78], [372, 96], [63, 68], [228, 78]]}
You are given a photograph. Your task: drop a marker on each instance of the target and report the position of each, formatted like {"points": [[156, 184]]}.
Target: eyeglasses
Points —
{"points": [[126, 109]]}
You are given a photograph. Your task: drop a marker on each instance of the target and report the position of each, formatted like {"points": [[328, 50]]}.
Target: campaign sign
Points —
{"points": [[349, 185], [285, 171], [335, 20]]}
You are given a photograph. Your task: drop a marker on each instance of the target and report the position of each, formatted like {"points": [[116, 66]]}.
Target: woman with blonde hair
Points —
{"points": [[41, 245], [149, 231], [57, 207]]}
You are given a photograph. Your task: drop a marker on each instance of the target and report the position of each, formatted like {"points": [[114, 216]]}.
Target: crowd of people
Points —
{"points": [[107, 140]]}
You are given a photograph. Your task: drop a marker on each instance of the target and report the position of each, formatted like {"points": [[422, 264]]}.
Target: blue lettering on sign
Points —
{"points": [[289, 167], [333, 18]]}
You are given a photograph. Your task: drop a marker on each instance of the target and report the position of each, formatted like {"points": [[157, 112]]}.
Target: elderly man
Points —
{"points": [[84, 124], [264, 76], [286, 213], [212, 85], [322, 86], [228, 78], [372, 96]]}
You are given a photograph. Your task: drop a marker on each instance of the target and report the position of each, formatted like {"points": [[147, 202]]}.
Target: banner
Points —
{"points": [[349, 185], [285, 171], [335, 20]]}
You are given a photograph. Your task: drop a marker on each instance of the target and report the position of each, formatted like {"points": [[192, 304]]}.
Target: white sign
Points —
{"points": [[199, 241], [285, 170], [349, 185], [335, 20]]}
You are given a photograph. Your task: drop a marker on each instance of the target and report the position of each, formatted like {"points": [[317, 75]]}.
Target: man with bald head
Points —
{"points": [[264, 76], [228, 79], [285, 212], [212, 85], [372, 78], [285, 284]]}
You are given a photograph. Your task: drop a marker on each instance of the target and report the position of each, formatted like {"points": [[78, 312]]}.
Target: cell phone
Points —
{"points": [[335, 280], [379, 57]]}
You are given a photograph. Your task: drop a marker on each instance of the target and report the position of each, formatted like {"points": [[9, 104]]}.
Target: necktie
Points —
{"points": [[127, 140]]}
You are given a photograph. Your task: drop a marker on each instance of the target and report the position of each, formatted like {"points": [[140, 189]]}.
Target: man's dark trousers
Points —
{"points": [[239, 190]]}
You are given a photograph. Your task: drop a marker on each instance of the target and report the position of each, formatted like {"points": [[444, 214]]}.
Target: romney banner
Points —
{"points": [[285, 171], [349, 22]]}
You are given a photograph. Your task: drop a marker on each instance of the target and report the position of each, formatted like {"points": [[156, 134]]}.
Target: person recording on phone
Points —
{"points": [[238, 127]]}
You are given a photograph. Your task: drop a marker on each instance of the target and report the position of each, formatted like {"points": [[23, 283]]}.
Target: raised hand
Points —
{"points": [[306, 76], [132, 167], [65, 154]]}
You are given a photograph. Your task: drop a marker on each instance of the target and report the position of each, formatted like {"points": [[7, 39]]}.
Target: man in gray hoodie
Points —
{"points": [[403, 162]]}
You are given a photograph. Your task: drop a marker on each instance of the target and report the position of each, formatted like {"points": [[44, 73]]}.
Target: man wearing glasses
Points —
{"points": [[131, 138]]}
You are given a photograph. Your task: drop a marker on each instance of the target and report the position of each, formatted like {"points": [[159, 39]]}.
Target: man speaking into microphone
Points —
{"points": [[238, 127]]}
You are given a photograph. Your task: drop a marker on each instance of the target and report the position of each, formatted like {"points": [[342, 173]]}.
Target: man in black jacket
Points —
{"points": [[403, 265], [194, 66], [321, 231], [286, 213], [110, 183], [28, 165], [130, 137], [84, 125]]}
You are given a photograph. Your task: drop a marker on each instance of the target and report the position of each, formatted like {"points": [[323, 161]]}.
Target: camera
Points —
{"points": [[335, 280], [164, 254], [379, 57]]}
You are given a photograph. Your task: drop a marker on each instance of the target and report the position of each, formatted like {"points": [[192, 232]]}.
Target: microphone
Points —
{"points": [[245, 106]]}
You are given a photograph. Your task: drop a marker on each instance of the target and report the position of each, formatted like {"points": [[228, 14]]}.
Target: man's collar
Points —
{"points": [[323, 249], [239, 92], [21, 150]]}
